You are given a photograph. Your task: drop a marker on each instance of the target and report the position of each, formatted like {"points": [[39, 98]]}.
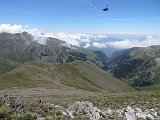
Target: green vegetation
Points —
{"points": [[73, 77], [142, 100], [4, 113], [6, 65], [18, 108], [137, 66], [80, 75], [157, 76]]}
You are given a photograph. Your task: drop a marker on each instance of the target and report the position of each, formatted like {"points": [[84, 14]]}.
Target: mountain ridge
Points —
{"points": [[82, 75], [22, 47], [139, 66]]}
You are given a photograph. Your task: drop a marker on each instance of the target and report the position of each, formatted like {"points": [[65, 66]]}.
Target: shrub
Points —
{"points": [[4, 113], [26, 116]]}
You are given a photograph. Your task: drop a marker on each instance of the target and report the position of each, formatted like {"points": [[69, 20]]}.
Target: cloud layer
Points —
{"points": [[127, 43], [11, 28], [84, 40]]}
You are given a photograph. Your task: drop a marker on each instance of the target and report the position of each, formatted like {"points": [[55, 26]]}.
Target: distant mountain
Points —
{"points": [[22, 47], [78, 75], [138, 66], [109, 50]]}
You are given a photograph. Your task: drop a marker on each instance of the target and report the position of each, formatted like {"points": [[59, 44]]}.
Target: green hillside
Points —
{"points": [[139, 67], [6, 65], [79, 75]]}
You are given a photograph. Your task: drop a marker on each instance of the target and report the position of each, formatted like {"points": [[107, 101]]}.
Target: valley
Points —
{"points": [[66, 77], [79, 60]]}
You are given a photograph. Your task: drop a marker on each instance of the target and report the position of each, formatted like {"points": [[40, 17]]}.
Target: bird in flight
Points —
{"points": [[106, 8]]}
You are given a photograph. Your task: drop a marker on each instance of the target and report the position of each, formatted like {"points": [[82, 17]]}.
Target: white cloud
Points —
{"points": [[102, 36], [86, 2], [18, 29], [11, 28], [127, 43], [99, 45], [37, 34], [87, 45], [73, 39], [77, 39]]}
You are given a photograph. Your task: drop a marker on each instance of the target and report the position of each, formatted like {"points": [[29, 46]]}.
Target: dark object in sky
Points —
{"points": [[106, 8]]}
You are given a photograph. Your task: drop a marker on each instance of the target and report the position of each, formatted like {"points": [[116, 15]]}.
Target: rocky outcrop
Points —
{"points": [[133, 113], [83, 110]]}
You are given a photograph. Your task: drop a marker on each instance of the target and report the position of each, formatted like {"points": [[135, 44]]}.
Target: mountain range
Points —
{"points": [[73, 66], [139, 66], [21, 47], [55, 65]]}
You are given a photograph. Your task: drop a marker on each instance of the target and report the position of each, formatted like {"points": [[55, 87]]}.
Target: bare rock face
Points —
{"points": [[21, 47]]}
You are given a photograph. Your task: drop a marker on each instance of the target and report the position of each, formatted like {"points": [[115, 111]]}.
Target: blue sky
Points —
{"points": [[83, 16]]}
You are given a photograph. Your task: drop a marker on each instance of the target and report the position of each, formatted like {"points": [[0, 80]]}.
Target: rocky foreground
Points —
{"points": [[87, 110], [17, 108]]}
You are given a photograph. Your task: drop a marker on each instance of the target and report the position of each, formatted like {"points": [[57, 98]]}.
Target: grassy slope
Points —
{"points": [[100, 77], [80, 75], [6, 65]]}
